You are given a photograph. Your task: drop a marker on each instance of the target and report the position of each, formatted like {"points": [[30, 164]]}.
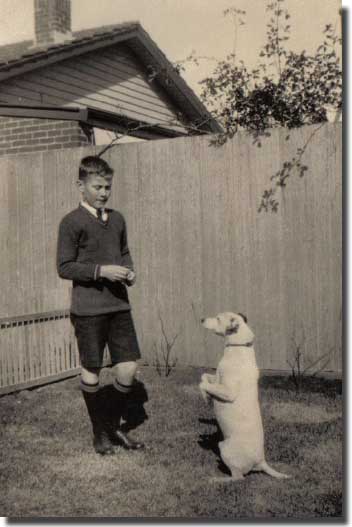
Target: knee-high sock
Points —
{"points": [[91, 397], [118, 402], [97, 411]]}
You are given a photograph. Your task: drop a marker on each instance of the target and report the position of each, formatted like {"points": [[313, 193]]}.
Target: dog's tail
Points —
{"points": [[264, 467]]}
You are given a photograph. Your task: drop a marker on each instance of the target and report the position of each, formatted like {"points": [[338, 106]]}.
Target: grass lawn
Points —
{"points": [[48, 467]]}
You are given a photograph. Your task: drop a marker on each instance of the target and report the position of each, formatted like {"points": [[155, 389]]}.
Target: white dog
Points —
{"points": [[234, 391]]}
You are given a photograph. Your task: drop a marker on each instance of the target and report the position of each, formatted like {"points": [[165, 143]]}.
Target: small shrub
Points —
{"points": [[313, 368], [163, 360]]}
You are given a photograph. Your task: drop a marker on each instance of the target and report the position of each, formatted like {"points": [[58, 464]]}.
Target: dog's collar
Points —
{"points": [[248, 345]]}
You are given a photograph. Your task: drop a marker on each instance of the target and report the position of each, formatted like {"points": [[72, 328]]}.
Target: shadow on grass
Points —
{"points": [[330, 505], [134, 414], [309, 384], [211, 441], [287, 440]]}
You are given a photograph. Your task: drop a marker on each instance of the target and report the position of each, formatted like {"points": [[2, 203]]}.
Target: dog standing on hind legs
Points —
{"points": [[234, 392]]}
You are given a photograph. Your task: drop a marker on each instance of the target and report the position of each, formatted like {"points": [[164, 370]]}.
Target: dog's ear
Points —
{"points": [[243, 316], [232, 327]]}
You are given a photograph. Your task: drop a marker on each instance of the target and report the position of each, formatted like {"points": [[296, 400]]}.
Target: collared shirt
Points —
{"points": [[93, 211]]}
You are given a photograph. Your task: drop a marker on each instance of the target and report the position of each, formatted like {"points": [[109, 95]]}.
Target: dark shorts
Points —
{"points": [[114, 329]]}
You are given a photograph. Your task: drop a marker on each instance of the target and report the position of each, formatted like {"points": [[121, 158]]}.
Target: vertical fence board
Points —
{"points": [[199, 246]]}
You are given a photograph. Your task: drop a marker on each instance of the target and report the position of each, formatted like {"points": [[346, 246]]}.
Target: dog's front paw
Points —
{"points": [[206, 396], [203, 386], [204, 377]]}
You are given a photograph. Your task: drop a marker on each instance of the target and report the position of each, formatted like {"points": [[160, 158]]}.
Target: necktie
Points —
{"points": [[100, 214]]}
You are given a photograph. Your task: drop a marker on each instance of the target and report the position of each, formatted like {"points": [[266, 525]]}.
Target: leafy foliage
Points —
{"points": [[286, 89]]}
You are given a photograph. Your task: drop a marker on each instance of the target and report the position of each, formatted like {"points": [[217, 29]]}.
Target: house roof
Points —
{"points": [[22, 57], [19, 51]]}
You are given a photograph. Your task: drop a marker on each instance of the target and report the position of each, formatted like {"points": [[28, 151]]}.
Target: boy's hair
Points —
{"points": [[94, 165]]}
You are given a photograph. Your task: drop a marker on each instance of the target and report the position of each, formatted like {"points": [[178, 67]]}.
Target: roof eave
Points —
{"points": [[92, 117], [206, 122]]}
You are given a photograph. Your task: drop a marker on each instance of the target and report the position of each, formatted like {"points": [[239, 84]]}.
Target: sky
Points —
{"points": [[180, 26]]}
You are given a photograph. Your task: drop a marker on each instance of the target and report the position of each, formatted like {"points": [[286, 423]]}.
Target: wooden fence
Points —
{"points": [[199, 245], [36, 347]]}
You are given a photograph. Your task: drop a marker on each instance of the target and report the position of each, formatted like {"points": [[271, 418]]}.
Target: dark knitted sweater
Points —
{"points": [[84, 244]]}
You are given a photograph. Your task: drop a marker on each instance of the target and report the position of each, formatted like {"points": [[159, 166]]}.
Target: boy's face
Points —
{"points": [[96, 189]]}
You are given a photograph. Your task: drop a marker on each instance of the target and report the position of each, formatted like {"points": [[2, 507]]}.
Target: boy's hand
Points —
{"points": [[131, 277], [114, 273]]}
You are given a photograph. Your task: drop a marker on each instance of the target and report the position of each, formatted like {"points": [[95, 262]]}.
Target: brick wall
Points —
{"points": [[37, 135], [51, 16]]}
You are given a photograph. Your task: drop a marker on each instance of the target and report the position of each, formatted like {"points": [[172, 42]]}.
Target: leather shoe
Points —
{"points": [[120, 438], [102, 444]]}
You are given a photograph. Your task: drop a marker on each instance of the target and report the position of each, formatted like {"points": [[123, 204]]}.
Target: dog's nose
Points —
{"points": [[202, 320]]}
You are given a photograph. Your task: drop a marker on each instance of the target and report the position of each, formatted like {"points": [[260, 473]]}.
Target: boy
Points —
{"points": [[92, 251]]}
